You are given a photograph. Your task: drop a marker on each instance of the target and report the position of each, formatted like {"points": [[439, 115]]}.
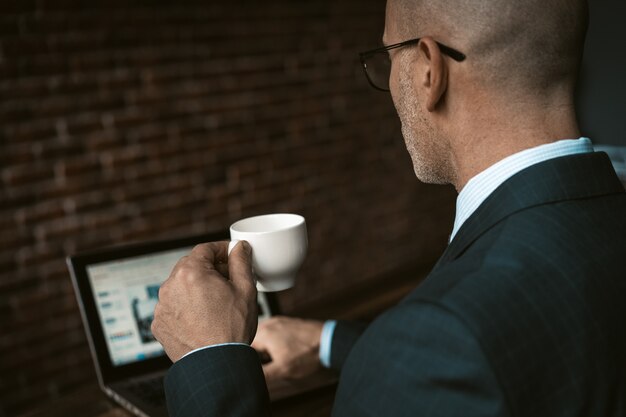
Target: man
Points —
{"points": [[524, 313]]}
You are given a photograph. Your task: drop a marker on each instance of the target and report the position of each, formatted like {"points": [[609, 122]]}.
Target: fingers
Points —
{"points": [[240, 267], [211, 252], [214, 255], [239, 270], [262, 339], [273, 371], [258, 345]]}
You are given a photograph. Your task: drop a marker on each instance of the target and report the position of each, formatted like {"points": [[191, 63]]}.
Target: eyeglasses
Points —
{"points": [[377, 63]]}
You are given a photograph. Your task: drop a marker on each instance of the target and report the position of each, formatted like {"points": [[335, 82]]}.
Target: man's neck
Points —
{"points": [[497, 136]]}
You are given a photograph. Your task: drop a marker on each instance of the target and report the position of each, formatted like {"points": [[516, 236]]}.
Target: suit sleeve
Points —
{"points": [[345, 335], [418, 359], [218, 381]]}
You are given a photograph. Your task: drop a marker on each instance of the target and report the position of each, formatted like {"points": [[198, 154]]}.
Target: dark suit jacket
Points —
{"points": [[524, 315]]}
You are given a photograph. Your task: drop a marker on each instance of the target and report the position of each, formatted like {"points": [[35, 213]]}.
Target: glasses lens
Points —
{"points": [[378, 68]]}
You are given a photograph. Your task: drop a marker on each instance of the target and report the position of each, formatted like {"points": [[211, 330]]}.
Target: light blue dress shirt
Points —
{"points": [[482, 185], [477, 190]]}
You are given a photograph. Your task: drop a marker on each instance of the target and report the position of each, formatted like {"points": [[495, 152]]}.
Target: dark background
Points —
{"points": [[602, 93], [124, 121], [159, 119]]}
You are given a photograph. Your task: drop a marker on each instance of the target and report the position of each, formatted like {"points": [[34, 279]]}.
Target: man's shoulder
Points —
{"points": [[559, 240], [537, 277], [564, 256]]}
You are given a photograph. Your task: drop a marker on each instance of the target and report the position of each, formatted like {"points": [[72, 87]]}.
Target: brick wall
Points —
{"points": [[127, 121]]}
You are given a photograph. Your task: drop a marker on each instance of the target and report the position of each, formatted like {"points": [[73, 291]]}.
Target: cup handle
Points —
{"points": [[232, 245]]}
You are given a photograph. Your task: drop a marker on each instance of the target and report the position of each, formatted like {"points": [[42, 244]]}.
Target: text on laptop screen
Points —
{"points": [[126, 292]]}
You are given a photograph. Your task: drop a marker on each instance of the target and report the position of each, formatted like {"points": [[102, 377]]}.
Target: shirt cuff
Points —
{"points": [[210, 346], [325, 342]]}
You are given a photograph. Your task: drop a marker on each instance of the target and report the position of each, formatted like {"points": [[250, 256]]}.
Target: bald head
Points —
{"points": [[525, 46]]}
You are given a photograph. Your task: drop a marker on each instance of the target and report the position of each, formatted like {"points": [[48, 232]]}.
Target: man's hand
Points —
{"points": [[293, 346], [209, 298]]}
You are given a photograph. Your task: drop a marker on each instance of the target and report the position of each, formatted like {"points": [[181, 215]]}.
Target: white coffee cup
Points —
{"points": [[279, 244]]}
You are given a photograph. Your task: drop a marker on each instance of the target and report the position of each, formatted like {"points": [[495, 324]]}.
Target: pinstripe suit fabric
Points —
{"points": [[522, 316], [224, 380]]}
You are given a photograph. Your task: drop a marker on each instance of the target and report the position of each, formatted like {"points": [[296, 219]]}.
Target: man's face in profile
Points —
{"points": [[417, 129]]}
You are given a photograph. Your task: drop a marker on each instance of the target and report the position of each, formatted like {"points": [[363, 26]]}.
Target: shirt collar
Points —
{"points": [[482, 185]]}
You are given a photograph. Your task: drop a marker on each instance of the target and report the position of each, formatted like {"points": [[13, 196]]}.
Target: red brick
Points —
{"points": [[29, 131], [102, 140], [15, 46], [21, 89], [128, 123], [77, 166], [17, 154], [21, 174], [9, 25], [39, 254], [44, 211]]}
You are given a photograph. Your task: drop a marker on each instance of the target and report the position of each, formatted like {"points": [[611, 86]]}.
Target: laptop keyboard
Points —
{"points": [[150, 390]]}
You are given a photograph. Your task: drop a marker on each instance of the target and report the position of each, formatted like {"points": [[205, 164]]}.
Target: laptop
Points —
{"points": [[117, 290]]}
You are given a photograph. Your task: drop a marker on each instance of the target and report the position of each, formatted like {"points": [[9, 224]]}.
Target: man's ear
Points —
{"points": [[435, 77]]}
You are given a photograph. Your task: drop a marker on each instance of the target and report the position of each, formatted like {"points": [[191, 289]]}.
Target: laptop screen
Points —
{"points": [[126, 292]]}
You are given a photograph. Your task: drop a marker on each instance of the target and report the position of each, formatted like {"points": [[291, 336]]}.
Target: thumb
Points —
{"points": [[262, 340], [240, 266]]}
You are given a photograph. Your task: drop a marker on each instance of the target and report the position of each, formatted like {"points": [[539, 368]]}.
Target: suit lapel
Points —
{"points": [[565, 178]]}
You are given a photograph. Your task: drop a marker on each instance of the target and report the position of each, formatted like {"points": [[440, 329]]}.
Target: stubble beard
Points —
{"points": [[419, 136]]}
